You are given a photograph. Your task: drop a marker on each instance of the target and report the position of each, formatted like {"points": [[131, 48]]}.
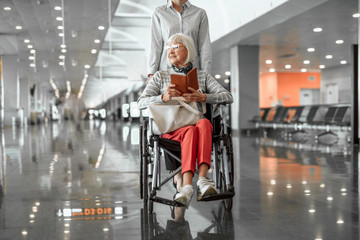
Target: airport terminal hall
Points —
{"points": [[179, 119]]}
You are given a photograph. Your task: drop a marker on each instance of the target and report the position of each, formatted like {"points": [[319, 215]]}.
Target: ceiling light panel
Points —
{"points": [[318, 29], [339, 41]]}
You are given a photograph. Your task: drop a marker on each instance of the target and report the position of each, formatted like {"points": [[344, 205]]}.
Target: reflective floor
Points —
{"points": [[81, 181]]}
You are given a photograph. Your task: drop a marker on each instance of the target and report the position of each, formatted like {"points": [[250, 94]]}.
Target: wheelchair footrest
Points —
{"points": [[166, 201], [214, 197]]}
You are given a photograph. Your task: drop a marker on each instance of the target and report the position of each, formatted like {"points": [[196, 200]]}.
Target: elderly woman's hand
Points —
{"points": [[194, 96], [171, 92]]}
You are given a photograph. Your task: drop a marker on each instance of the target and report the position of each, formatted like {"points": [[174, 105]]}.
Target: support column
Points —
{"points": [[10, 89], [25, 100], [244, 86], [45, 98], [355, 98]]}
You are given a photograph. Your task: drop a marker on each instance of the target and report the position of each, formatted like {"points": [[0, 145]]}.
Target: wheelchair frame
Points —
{"points": [[222, 164]]}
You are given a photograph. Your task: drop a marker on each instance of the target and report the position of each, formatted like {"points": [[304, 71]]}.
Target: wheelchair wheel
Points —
{"points": [[141, 162], [150, 202], [227, 155], [144, 159]]}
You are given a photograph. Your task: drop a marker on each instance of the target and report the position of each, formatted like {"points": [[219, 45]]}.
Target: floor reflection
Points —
{"points": [[177, 227], [80, 180]]}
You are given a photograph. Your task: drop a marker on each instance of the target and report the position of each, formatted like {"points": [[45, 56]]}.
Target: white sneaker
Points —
{"points": [[205, 187], [185, 194]]}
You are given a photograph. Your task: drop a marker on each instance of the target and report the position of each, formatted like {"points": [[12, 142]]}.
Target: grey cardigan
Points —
{"points": [[158, 84]]}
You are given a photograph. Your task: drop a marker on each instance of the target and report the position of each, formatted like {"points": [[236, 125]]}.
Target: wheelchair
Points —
{"points": [[153, 147]]}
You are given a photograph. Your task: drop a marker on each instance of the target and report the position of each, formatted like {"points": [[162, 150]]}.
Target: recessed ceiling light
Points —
{"points": [[33, 51], [226, 80], [311, 49], [26, 40], [57, 8], [321, 66], [32, 65], [59, 18], [303, 70], [96, 41], [306, 62], [101, 27], [60, 27], [268, 61], [227, 73], [29, 46], [287, 66], [328, 56], [339, 41], [31, 57], [62, 57], [93, 51], [61, 34], [63, 50], [7, 8], [217, 76], [61, 63], [318, 29], [343, 62], [87, 66], [356, 15], [272, 70], [63, 46], [18, 27]]}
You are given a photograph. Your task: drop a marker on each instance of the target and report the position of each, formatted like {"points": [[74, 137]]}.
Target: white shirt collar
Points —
{"points": [[186, 4]]}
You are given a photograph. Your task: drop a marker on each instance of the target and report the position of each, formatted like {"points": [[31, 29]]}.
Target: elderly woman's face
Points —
{"points": [[177, 54]]}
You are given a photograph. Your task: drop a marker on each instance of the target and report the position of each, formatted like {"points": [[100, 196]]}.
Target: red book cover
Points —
{"points": [[182, 82]]}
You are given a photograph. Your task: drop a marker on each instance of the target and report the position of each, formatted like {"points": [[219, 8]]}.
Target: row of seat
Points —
{"points": [[316, 117]]}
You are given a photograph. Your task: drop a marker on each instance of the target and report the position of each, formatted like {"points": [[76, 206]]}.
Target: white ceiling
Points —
{"points": [[285, 34], [120, 60]]}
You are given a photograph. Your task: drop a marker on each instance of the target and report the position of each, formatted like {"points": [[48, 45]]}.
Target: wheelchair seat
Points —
{"points": [[171, 144]]}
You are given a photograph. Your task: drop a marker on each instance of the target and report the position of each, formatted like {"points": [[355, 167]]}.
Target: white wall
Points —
{"points": [[342, 77], [228, 15]]}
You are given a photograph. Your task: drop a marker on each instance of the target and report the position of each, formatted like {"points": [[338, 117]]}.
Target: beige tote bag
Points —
{"points": [[173, 115]]}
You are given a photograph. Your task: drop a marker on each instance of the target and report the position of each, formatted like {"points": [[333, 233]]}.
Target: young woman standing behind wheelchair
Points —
{"points": [[195, 141], [179, 16]]}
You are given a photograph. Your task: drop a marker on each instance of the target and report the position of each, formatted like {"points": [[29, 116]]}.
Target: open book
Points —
{"points": [[182, 82]]}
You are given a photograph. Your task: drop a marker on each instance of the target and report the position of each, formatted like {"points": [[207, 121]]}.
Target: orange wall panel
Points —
{"points": [[289, 85], [268, 88], [285, 86]]}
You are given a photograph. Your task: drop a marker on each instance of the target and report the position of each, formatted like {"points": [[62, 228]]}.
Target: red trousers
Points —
{"points": [[196, 142]]}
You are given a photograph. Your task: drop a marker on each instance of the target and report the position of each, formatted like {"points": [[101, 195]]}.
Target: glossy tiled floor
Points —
{"points": [[80, 181]]}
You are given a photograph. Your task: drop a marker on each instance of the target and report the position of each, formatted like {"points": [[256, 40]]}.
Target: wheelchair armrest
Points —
{"points": [[151, 127]]}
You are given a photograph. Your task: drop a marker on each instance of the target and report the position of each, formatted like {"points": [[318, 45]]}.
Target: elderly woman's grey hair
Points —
{"points": [[187, 42]]}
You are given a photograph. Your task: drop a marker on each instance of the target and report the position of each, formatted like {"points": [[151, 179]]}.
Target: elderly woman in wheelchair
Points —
{"points": [[195, 141]]}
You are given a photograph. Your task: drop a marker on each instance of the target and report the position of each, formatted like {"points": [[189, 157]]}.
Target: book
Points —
{"points": [[182, 82]]}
